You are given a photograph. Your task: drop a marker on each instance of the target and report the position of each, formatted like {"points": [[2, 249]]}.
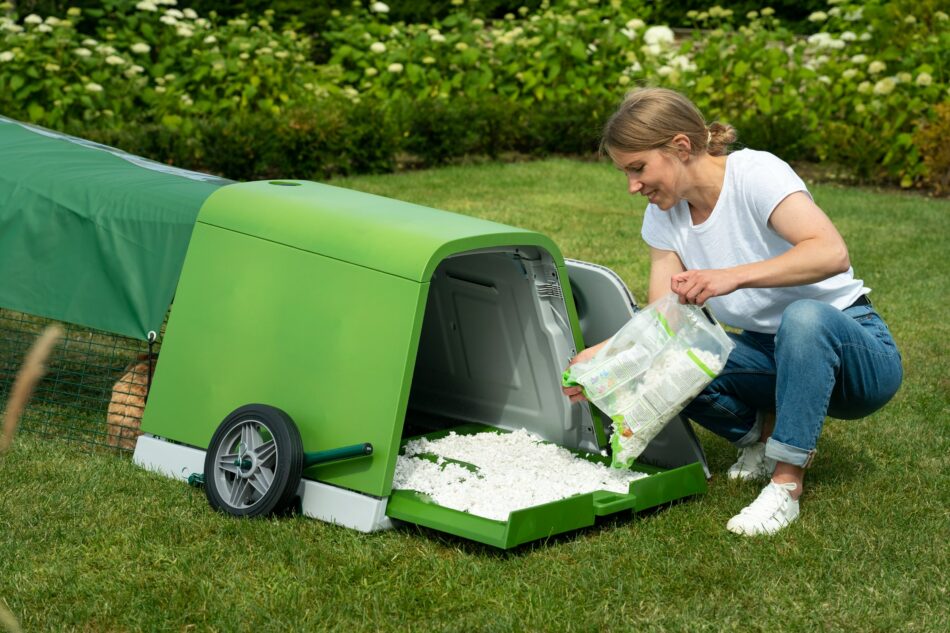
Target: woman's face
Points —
{"points": [[653, 173]]}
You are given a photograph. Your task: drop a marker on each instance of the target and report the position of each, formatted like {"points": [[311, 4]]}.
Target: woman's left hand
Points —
{"points": [[698, 286]]}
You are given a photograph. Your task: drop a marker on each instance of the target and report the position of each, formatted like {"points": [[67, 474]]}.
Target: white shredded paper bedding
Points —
{"points": [[514, 471]]}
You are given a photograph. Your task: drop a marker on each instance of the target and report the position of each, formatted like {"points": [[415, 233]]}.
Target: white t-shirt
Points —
{"points": [[738, 232]]}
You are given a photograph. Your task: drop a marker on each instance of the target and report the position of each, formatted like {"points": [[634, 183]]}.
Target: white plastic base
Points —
{"points": [[166, 458], [318, 500]]}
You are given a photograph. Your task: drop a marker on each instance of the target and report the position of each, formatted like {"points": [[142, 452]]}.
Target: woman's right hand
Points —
{"points": [[575, 393]]}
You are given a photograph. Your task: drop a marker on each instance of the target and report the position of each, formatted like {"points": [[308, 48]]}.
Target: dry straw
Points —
{"points": [[34, 366]]}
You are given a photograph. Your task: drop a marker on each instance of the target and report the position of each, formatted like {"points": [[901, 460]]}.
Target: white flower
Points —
{"points": [[635, 24], [941, 16], [849, 36], [11, 26], [864, 87], [211, 39], [859, 108], [859, 59], [850, 73], [821, 40], [652, 50], [623, 80], [683, 63], [395, 67], [378, 47], [885, 86], [133, 70], [159, 89], [767, 11], [379, 7], [865, 37], [818, 16], [437, 37], [904, 77], [105, 50], [190, 14], [264, 50], [52, 68], [924, 79], [32, 19], [854, 16], [910, 20], [89, 42], [146, 5], [428, 59], [93, 87], [371, 72], [184, 31], [52, 20], [175, 13], [140, 48], [664, 71], [658, 35], [630, 34], [168, 19], [244, 56], [635, 67], [461, 46], [83, 52], [74, 11], [825, 79], [6, 56], [115, 60], [281, 54], [44, 28], [876, 67]]}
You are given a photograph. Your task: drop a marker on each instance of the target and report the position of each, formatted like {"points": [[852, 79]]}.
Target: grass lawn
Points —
{"points": [[90, 542]]}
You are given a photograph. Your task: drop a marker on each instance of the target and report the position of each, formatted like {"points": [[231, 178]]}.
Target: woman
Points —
{"points": [[741, 233]]}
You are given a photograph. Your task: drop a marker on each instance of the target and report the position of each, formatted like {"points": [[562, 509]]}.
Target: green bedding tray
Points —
{"points": [[539, 522]]}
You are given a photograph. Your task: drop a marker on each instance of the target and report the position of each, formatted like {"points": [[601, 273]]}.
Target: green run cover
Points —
{"points": [[90, 234]]}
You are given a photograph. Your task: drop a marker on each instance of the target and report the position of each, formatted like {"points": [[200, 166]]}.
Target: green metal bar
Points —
{"points": [[354, 450]]}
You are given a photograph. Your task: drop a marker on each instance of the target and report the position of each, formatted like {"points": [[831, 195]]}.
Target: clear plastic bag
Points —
{"points": [[650, 369]]}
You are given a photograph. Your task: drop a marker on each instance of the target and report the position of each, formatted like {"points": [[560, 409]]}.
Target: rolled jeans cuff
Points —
{"points": [[793, 455], [753, 436]]}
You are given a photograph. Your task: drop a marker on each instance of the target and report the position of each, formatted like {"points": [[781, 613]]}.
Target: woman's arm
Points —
{"points": [[663, 266], [818, 252]]}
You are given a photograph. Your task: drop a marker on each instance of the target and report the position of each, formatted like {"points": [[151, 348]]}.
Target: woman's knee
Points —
{"points": [[805, 320]]}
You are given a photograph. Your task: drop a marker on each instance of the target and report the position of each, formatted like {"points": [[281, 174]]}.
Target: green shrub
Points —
{"points": [[535, 81], [932, 141]]}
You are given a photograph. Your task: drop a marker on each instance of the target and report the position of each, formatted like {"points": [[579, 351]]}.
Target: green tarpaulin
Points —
{"points": [[89, 234]]}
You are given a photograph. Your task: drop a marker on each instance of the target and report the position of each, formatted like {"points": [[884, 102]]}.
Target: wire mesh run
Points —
{"points": [[94, 390]]}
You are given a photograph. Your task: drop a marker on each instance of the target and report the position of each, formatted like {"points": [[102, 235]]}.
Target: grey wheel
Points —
{"points": [[254, 462]]}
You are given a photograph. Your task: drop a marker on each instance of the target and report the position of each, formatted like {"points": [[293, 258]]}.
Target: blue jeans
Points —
{"points": [[822, 361]]}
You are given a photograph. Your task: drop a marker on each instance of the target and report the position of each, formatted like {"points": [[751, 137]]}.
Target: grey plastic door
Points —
{"points": [[604, 304]]}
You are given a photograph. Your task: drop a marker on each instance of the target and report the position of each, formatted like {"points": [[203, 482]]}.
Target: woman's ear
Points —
{"points": [[682, 146]]}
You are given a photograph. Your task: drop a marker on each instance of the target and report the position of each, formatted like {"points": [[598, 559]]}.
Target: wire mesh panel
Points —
{"points": [[94, 390]]}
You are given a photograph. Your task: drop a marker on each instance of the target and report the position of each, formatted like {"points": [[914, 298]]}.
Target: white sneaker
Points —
{"points": [[752, 464], [770, 512]]}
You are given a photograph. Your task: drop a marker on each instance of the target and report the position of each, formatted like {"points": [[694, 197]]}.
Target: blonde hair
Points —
{"points": [[649, 118]]}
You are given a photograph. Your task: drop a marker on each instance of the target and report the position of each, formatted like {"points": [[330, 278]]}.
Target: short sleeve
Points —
{"points": [[766, 180], [657, 229]]}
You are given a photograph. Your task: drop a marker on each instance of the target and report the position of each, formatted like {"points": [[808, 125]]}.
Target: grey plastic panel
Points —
{"points": [[604, 304], [495, 340]]}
